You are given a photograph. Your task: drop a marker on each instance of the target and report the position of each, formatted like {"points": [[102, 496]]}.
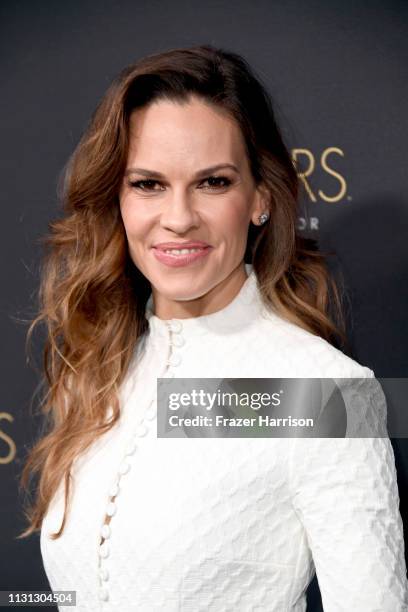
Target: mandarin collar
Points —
{"points": [[238, 314]]}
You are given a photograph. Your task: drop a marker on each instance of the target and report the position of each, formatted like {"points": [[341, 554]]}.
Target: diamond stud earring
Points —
{"points": [[263, 218]]}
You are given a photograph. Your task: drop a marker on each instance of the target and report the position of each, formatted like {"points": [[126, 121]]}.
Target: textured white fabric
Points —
{"points": [[229, 524]]}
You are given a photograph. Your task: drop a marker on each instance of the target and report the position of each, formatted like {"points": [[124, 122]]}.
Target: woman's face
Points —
{"points": [[172, 193]]}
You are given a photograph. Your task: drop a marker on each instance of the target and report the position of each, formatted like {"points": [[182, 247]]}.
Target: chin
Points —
{"points": [[182, 290], [182, 294]]}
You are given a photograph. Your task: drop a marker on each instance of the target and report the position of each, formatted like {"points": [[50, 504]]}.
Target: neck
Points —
{"points": [[214, 300]]}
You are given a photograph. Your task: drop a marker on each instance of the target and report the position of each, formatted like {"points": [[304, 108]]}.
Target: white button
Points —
{"points": [[131, 448], [174, 359], [141, 430], [103, 594], [150, 414], [124, 467], [166, 380], [105, 531], [175, 326], [178, 340], [103, 573], [111, 509], [114, 490], [104, 550]]}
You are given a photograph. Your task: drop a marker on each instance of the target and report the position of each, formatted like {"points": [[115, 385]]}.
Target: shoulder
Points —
{"points": [[307, 354]]}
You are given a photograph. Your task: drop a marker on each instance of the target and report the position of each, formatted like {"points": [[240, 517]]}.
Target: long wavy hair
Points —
{"points": [[92, 298]]}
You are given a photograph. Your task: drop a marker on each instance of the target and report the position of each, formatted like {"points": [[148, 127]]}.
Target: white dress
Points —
{"points": [[229, 524]]}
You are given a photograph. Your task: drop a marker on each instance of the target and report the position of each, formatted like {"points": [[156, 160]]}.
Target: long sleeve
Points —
{"points": [[345, 494]]}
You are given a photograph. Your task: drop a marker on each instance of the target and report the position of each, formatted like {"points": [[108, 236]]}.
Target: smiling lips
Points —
{"points": [[177, 254]]}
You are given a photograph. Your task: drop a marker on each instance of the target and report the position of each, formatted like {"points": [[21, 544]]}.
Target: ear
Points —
{"points": [[261, 205]]}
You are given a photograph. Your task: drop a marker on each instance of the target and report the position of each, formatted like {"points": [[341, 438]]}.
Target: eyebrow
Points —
{"points": [[199, 174]]}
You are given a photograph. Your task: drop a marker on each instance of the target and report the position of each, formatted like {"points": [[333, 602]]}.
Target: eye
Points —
{"points": [[144, 185], [214, 182]]}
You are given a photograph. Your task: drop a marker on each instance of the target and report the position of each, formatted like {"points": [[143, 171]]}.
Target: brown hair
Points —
{"points": [[93, 298]]}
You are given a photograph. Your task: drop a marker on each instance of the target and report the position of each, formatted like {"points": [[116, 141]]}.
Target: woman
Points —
{"points": [[178, 257]]}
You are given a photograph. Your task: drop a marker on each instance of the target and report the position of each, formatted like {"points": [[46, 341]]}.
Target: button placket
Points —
{"points": [[111, 509], [176, 341], [174, 359]]}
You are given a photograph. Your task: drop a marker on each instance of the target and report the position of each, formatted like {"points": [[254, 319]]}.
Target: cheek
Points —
{"points": [[135, 222], [231, 218]]}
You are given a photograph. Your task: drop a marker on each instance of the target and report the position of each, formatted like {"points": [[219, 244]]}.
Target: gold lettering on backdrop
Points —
{"points": [[310, 167], [343, 185], [3, 436], [309, 170]]}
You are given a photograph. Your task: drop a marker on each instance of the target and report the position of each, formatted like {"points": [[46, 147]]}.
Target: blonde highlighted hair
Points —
{"points": [[92, 297]]}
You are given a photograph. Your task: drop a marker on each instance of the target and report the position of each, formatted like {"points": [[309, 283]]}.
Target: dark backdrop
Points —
{"points": [[337, 72]]}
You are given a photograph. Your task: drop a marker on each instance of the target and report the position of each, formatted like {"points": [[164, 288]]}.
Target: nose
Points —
{"points": [[178, 214]]}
